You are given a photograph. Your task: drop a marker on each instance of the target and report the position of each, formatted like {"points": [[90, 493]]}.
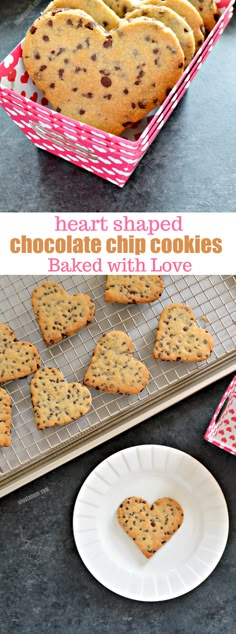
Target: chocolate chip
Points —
{"points": [[88, 95], [45, 38], [58, 110], [33, 29], [108, 96], [81, 111], [133, 105], [125, 91], [37, 56], [94, 57], [181, 65], [60, 51], [141, 74], [50, 23], [43, 67], [61, 72], [105, 23], [66, 61], [108, 42], [69, 21], [105, 81], [74, 89], [141, 105], [90, 25]]}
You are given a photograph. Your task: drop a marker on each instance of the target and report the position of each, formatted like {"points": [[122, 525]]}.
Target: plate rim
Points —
{"points": [[130, 595]]}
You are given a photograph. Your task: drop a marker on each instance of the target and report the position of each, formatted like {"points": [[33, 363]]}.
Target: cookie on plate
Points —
{"points": [[175, 22], [179, 338], [188, 12], [109, 81], [133, 289], [56, 402], [97, 9], [58, 313], [150, 526], [17, 358], [113, 367], [5, 418]]}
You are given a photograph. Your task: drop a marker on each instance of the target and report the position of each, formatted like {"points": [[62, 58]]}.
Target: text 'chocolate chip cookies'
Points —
{"points": [[109, 81], [150, 526]]}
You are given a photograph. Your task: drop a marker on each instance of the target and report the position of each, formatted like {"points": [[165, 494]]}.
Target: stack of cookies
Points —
{"points": [[109, 63]]}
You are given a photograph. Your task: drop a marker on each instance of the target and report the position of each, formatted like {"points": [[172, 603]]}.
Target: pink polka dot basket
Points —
{"points": [[110, 157]]}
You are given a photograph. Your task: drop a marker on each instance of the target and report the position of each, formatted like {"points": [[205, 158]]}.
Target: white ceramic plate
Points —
{"points": [[151, 472]]}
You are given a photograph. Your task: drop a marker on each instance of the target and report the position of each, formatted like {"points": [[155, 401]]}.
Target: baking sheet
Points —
{"points": [[213, 300]]}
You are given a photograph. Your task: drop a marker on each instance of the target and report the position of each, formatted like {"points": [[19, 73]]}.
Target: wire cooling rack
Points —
{"points": [[213, 300]]}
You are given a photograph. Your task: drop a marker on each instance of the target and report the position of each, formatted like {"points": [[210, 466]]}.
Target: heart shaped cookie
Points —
{"points": [[173, 21], [56, 402], [17, 358], [5, 418], [120, 6], [133, 289], [209, 12], [59, 314], [113, 367], [109, 81], [150, 526], [188, 12], [179, 338], [97, 9]]}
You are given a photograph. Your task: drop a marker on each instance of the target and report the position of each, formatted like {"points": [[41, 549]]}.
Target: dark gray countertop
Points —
{"points": [[44, 586], [191, 166]]}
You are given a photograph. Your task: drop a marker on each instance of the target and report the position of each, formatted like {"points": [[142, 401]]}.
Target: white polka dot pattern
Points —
{"points": [[222, 429]]}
